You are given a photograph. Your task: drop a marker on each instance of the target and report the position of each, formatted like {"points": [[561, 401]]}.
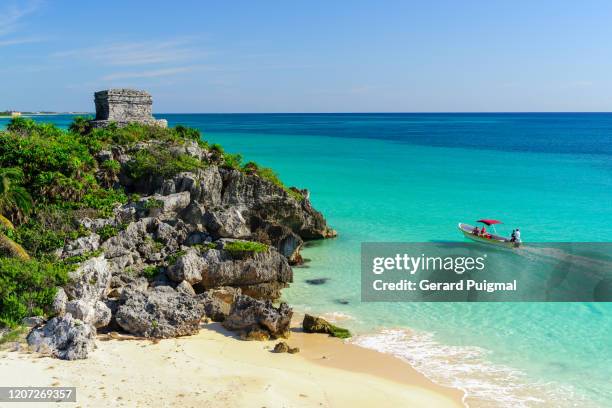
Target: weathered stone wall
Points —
{"points": [[123, 106]]}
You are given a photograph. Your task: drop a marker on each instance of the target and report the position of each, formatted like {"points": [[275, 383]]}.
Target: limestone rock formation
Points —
{"points": [[251, 315], [218, 302], [63, 337], [90, 281], [161, 312], [123, 106]]}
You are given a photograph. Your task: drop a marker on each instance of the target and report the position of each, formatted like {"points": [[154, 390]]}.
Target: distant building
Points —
{"points": [[123, 106], [15, 114]]}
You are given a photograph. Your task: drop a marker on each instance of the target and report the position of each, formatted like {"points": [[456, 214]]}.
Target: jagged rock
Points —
{"points": [[312, 324], [273, 204], [287, 242], [196, 238], [97, 313], [63, 337], [283, 347], [227, 223], [96, 223], [186, 288], [161, 313], [126, 241], [248, 315], [90, 281], [137, 242], [190, 147], [204, 185], [168, 204], [188, 267], [58, 307], [252, 272], [81, 246], [33, 321], [218, 302], [123, 281]]}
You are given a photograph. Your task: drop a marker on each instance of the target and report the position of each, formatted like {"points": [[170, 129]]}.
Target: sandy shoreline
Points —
{"points": [[214, 369]]}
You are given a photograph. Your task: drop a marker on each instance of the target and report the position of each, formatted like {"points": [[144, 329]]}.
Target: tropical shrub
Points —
{"points": [[27, 288]]}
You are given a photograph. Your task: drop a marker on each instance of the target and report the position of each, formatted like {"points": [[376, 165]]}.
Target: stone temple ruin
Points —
{"points": [[123, 106]]}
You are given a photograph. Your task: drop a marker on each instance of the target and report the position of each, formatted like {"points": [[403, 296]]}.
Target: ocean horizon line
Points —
{"points": [[348, 113]]}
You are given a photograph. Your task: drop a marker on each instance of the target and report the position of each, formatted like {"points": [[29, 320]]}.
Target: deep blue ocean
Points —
{"points": [[411, 178]]}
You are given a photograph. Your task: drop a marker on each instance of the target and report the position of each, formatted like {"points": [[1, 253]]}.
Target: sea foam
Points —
{"points": [[466, 368]]}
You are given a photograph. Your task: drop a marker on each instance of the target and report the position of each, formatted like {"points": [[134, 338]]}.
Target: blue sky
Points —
{"points": [[310, 56]]}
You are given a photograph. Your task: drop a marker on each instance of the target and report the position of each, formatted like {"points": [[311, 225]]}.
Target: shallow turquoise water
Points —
{"points": [[412, 178], [374, 190]]}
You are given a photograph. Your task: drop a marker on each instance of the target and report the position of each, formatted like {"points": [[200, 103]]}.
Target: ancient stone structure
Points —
{"points": [[123, 106]]}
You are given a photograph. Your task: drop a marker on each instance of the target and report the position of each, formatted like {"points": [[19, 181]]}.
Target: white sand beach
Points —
{"points": [[215, 369]]}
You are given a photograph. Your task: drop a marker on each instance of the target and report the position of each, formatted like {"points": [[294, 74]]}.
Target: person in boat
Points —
{"points": [[517, 236], [476, 231], [513, 236], [483, 231]]}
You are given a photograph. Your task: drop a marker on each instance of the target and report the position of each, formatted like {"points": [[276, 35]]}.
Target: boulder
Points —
{"points": [[263, 273], [167, 204], [186, 288], [33, 321], [63, 337], [126, 242], [95, 313], [228, 223], [283, 347], [58, 307], [161, 312], [81, 246], [90, 281], [248, 314], [218, 302], [312, 324], [188, 267]]}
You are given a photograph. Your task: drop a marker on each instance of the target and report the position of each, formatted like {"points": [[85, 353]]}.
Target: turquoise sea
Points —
{"points": [[411, 178]]}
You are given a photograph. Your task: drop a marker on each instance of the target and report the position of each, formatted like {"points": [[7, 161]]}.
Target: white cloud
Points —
{"points": [[11, 15], [18, 41], [138, 53], [147, 74]]}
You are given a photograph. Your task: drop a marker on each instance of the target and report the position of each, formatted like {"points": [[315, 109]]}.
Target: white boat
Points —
{"points": [[487, 238]]}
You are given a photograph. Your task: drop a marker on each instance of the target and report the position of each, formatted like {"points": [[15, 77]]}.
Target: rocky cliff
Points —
{"points": [[198, 238]]}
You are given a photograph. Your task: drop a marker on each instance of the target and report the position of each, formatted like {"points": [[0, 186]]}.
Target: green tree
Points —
{"points": [[15, 201]]}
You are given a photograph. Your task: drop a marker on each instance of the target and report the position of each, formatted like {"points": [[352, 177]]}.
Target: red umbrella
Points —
{"points": [[489, 222]]}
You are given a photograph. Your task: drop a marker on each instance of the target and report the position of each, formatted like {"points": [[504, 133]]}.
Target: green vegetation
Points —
{"points": [[241, 248], [171, 259], [339, 332], [268, 174], [77, 259], [160, 162], [27, 288], [17, 334], [107, 232], [204, 247], [50, 179], [150, 272]]}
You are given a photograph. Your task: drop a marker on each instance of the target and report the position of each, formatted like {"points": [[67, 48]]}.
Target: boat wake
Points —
{"points": [[485, 384]]}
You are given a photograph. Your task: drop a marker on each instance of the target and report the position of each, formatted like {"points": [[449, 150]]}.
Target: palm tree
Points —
{"points": [[14, 198], [17, 203]]}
